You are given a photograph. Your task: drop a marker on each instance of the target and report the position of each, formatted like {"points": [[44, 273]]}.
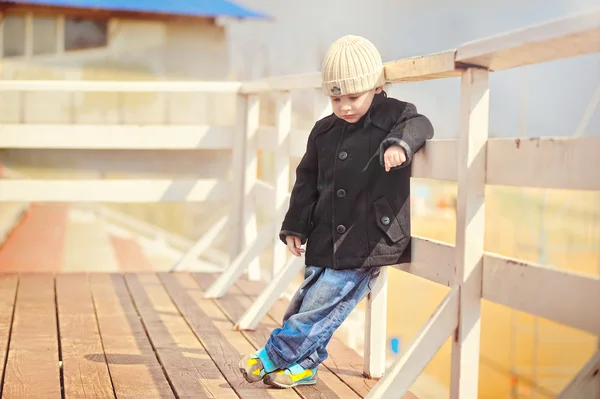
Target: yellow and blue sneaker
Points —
{"points": [[255, 366], [292, 376]]}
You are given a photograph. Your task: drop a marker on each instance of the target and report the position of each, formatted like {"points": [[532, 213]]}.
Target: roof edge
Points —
{"points": [[221, 8]]}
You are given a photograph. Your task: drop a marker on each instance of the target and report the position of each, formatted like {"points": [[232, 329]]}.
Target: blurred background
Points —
{"points": [[521, 356]]}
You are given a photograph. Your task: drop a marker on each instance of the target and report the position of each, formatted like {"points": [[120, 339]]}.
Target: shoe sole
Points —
{"points": [[267, 380]]}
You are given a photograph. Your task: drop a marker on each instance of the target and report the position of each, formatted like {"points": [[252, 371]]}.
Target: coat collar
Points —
{"points": [[367, 118]]}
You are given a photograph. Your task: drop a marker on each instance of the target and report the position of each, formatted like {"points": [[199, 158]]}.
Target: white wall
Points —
{"points": [[557, 92]]}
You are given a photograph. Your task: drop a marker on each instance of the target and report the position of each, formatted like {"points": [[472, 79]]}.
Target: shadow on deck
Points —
{"points": [[143, 335]]}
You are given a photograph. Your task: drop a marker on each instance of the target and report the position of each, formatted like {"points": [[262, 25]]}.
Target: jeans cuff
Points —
{"points": [[275, 358]]}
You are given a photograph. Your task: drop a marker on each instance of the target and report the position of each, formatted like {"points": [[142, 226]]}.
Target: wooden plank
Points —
{"points": [[85, 371], [116, 137], [124, 191], [233, 304], [425, 67], [32, 368], [401, 375], [470, 228], [192, 372], [551, 162], [553, 40], [560, 295], [431, 260], [8, 293], [225, 346], [118, 86], [134, 368]]}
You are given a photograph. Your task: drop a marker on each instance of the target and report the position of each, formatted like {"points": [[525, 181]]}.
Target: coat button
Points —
{"points": [[385, 220], [341, 193], [343, 155], [341, 229]]}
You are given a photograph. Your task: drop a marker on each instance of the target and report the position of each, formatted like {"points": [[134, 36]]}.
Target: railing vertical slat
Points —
{"points": [[242, 215], [376, 327], [470, 221], [250, 175], [282, 174], [236, 214]]}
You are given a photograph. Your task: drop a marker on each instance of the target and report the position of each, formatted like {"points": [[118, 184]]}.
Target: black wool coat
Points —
{"points": [[344, 205]]}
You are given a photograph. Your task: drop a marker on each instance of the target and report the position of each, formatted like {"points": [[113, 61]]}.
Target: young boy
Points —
{"points": [[350, 203]]}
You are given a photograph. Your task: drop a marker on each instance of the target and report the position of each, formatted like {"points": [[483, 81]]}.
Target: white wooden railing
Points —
{"points": [[473, 160]]}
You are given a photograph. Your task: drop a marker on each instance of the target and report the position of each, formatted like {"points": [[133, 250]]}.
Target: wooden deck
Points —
{"points": [[142, 335]]}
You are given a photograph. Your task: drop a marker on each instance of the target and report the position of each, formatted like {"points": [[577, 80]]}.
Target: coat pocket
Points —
{"points": [[386, 220], [311, 215]]}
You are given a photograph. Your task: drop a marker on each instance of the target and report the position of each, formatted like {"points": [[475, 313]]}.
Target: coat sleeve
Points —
{"points": [[410, 132], [303, 196]]}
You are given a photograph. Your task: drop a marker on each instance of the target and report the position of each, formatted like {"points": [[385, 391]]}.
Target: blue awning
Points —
{"points": [[199, 8]]}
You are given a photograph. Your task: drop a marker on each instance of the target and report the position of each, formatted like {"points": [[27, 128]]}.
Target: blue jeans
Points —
{"points": [[318, 308]]}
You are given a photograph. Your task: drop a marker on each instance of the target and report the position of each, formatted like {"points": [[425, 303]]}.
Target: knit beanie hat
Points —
{"points": [[351, 65]]}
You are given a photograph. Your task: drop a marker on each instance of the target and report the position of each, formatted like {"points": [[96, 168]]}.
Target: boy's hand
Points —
{"points": [[293, 244], [394, 156]]}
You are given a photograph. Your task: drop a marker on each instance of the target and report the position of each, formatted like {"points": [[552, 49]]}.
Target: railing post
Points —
{"points": [[474, 118], [282, 175], [243, 217], [376, 327]]}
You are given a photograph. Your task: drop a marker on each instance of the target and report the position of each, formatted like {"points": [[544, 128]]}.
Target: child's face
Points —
{"points": [[352, 107]]}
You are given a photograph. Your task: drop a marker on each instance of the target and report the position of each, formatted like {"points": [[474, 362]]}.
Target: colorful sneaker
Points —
{"points": [[293, 376], [255, 366]]}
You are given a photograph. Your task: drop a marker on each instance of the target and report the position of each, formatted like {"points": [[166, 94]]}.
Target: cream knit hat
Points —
{"points": [[352, 65]]}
